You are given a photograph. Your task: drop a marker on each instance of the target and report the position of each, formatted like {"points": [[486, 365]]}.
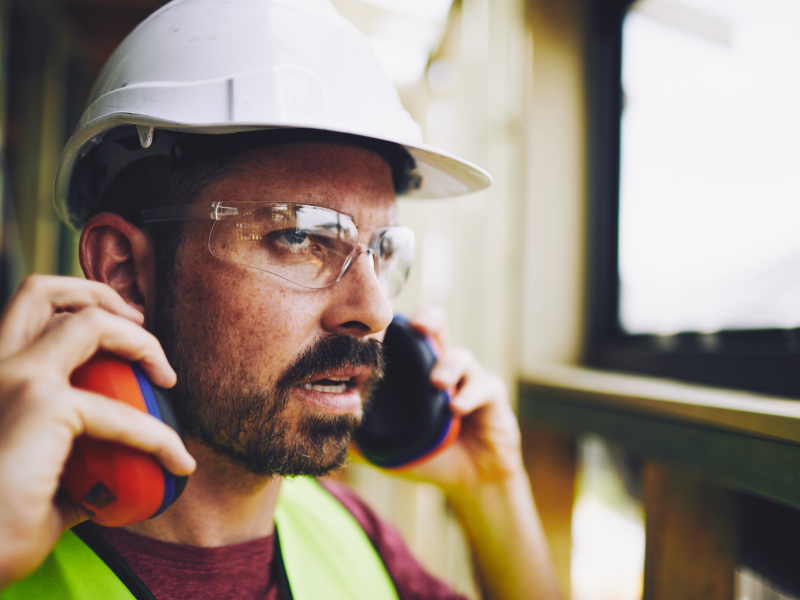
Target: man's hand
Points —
{"points": [[483, 477], [488, 447], [41, 413]]}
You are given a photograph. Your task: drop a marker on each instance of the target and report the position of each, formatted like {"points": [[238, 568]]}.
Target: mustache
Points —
{"points": [[334, 352]]}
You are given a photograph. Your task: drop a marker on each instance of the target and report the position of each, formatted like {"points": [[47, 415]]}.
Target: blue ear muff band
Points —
{"points": [[159, 406]]}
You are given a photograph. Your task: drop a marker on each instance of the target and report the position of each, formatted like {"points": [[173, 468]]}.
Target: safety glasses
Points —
{"points": [[308, 245]]}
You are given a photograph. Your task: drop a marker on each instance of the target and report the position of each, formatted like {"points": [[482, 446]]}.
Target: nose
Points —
{"points": [[357, 303]]}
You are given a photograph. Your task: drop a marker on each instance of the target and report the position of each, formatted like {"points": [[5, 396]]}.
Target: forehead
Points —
{"points": [[350, 179]]}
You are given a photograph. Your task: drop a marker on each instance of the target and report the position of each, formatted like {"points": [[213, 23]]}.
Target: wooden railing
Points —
{"points": [[709, 456]]}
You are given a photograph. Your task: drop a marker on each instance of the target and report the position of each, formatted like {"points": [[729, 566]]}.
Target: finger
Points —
{"points": [[73, 341], [69, 513], [56, 319], [477, 393], [432, 321], [453, 366], [40, 296], [105, 419]]}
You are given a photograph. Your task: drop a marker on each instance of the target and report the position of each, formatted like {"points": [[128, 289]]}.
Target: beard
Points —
{"points": [[250, 422]]}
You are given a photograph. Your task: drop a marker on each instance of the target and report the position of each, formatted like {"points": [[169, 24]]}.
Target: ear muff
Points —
{"points": [[408, 419], [116, 484]]}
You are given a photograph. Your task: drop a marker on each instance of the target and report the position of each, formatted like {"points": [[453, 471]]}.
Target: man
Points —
{"points": [[184, 187]]}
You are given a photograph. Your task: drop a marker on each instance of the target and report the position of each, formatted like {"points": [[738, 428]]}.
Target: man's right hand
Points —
{"points": [[41, 413]]}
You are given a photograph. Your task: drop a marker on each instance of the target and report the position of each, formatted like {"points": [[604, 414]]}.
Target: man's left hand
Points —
{"points": [[488, 446]]}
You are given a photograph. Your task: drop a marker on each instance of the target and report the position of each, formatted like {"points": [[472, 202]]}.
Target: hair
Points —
{"points": [[155, 182]]}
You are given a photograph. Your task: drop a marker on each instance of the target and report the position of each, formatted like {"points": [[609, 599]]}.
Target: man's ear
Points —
{"points": [[116, 252]]}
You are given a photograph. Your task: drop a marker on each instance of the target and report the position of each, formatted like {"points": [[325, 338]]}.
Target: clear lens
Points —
{"points": [[307, 245], [394, 247]]}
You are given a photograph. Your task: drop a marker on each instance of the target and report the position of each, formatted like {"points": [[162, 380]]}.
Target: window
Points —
{"points": [[710, 166], [696, 249]]}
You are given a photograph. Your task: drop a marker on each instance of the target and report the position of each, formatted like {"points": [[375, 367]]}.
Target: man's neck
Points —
{"points": [[222, 504]]}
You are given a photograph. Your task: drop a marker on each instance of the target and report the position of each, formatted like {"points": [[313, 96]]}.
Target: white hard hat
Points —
{"points": [[229, 66]]}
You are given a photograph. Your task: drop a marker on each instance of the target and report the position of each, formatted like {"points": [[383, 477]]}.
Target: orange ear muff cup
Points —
{"points": [[116, 484]]}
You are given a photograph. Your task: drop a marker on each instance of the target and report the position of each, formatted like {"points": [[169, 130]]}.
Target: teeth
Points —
{"points": [[328, 389], [339, 378]]}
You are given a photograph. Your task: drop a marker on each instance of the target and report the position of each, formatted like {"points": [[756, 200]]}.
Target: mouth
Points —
{"points": [[338, 381], [338, 390], [330, 385]]}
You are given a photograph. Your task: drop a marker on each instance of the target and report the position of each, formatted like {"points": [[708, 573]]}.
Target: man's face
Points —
{"points": [[248, 345]]}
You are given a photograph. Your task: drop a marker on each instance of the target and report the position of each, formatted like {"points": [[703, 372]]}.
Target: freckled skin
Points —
{"points": [[240, 323]]}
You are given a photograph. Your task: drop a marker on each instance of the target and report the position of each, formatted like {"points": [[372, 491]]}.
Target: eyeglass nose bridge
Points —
{"points": [[358, 251]]}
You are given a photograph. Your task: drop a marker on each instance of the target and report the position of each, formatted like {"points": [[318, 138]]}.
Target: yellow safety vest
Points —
{"points": [[325, 554]]}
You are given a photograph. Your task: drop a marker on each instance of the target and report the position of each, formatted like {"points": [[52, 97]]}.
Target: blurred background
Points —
{"points": [[696, 166]]}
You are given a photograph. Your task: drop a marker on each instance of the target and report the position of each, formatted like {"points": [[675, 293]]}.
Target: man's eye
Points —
{"points": [[387, 248], [295, 238]]}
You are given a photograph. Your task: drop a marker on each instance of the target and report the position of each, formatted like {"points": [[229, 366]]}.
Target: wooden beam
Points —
{"points": [[760, 465], [759, 414], [551, 461], [691, 537]]}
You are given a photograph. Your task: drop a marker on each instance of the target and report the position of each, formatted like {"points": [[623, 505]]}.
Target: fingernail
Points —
{"points": [[421, 320], [134, 314], [191, 464], [443, 375]]}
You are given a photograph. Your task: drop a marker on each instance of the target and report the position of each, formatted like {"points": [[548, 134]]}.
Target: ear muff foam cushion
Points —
{"points": [[158, 405], [169, 417], [118, 485], [408, 419]]}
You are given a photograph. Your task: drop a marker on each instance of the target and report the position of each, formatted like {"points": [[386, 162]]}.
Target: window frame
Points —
{"points": [[763, 360]]}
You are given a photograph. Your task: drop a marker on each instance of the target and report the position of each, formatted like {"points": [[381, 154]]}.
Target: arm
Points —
{"points": [[484, 479], [507, 539], [41, 413]]}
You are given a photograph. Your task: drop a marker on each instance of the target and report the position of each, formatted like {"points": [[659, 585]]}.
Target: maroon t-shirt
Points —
{"points": [[246, 571]]}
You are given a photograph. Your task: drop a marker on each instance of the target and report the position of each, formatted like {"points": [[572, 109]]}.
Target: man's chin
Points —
{"points": [[321, 444], [315, 446]]}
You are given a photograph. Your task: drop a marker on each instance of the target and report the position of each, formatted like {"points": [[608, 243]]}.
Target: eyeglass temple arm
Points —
{"points": [[188, 212]]}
